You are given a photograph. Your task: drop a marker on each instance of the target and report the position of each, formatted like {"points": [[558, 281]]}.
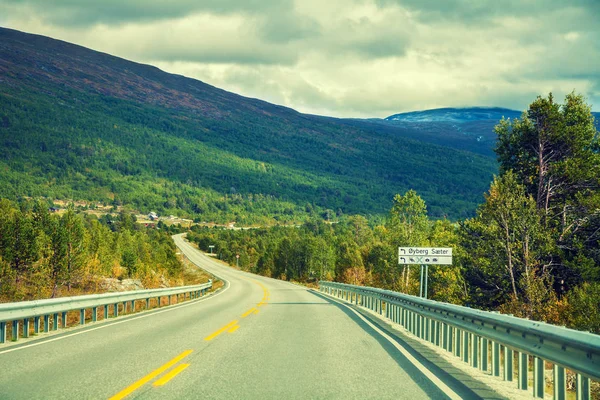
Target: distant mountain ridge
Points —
{"points": [[468, 128], [457, 115]]}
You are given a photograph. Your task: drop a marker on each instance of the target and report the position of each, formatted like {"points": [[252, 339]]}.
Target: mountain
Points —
{"points": [[456, 115], [470, 129], [80, 124]]}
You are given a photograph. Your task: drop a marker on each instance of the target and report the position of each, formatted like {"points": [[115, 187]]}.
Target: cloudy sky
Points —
{"points": [[347, 58]]}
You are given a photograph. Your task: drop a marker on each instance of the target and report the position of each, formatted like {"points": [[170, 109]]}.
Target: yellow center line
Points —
{"points": [[223, 329], [174, 372], [235, 328], [132, 388], [262, 303], [250, 311]]}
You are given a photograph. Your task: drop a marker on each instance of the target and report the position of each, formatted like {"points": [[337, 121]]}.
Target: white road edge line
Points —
{"points": [[170, 308], [430, 375]]}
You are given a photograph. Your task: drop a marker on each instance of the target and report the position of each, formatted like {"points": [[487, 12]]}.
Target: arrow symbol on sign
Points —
{"points": [[403, 260]]}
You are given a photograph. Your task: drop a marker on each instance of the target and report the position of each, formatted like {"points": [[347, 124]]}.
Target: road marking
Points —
{"points": [[218, 332], [253, 310], [262, 303], [430, 375], [235, 328], [132, 388], [174, 372]]}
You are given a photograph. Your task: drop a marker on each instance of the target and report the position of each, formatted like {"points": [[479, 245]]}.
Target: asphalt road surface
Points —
{"points": [[257, 338]]}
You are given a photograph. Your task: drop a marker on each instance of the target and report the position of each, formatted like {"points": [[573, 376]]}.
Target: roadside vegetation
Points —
{"points": [[44, 254]]}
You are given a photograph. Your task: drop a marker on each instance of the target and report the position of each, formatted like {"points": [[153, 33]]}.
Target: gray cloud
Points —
{"points": [[110, 12], [484, 11]]}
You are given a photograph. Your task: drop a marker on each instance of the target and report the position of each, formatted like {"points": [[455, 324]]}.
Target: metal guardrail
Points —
{"points": [[487, 340], [50, 309]]}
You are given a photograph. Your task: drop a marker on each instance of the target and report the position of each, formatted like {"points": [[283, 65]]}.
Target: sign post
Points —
{"points": [[211, 247], [237, 260], [424, 256]]}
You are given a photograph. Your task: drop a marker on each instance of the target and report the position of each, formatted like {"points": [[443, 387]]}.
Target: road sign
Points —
{"points": [[425, 255], [237, 256]]}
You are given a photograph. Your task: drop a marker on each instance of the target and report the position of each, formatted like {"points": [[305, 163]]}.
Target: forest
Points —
{"points": [[44, 254], [531, 250]]}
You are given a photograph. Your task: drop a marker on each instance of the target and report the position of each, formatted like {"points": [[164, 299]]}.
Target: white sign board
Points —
{"points": [[425, 255]]}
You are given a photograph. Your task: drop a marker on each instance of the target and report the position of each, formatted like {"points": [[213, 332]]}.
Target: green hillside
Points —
{"points": [[79, 124]]}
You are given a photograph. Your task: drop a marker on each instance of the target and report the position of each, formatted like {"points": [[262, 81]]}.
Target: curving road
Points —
{"points": [[255, 338]]}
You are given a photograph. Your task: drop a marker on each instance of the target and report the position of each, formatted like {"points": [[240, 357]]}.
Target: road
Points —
{"points": [[255, 338]]}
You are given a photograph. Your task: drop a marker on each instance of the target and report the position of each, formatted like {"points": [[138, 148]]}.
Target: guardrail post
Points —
{"points": [[26, 328], [147, 304], [438, 333], [46, 323], [451, 334], [465, 346], [106, 311], [431, 330], [495, 358], [484, 354], [82, 316], [509, 360], [64, 319], [475, 351], [560, 383], [445, 328], [2, 332], [539, 377], [36, 325], [94, 314], [55, 322], [583, 388], [116, 310], [523, 367], [132, 306], [158, 299], [15, 330], [124, 307], [457, 342]]}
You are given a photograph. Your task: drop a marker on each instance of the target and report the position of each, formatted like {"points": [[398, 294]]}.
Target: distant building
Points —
{"points": [[152, 216]]}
